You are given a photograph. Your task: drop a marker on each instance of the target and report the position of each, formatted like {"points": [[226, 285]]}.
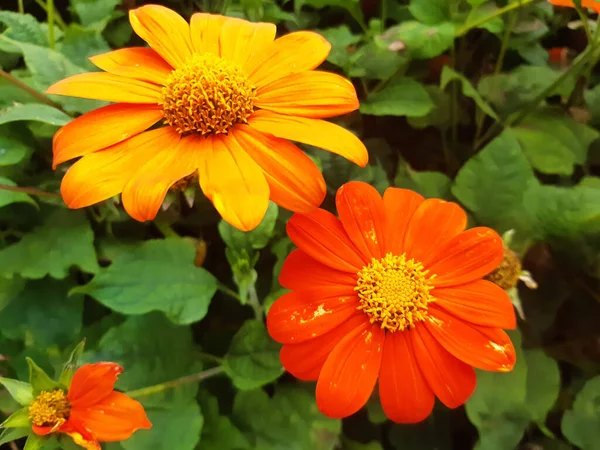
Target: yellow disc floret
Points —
{"points": [[206, 95], [394, 292], [50, 408]]}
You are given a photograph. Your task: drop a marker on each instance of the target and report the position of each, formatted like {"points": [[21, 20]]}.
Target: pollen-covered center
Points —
{"points": [[207, 95], [50, 408], [394, 292]]}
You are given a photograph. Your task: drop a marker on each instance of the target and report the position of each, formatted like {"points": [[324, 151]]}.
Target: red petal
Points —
{"points": [[349, 375], [92, 383], [400, 206], [405, 395]]}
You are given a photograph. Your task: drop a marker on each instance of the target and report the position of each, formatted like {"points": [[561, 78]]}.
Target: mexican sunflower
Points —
{"points": [[227, 96], [391, 290], [91, 411], [592, 4]]}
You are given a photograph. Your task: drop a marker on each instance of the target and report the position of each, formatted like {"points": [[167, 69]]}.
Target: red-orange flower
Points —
{"points": [[91, 410], [391, 291], [230, 96], [593, 4]]}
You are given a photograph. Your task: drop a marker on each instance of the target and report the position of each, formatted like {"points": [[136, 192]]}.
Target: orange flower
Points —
{"points": [[391, 290], [592, 4], [91, 410], [230, 97]]}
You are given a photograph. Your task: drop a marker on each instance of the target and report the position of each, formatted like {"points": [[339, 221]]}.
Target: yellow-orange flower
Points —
{"points": [[593, 4], [230, 96]]}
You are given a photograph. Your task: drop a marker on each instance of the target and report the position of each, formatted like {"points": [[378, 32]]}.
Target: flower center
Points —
{"points": [[50, 408], [207, 95], [394, 292]]}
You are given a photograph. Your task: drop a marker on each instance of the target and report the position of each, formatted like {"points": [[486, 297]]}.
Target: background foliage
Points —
{"points": [[459, 101]]}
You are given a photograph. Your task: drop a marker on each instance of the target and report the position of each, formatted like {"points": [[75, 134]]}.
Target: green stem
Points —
{"points": [[195, 378], [50, 15], [384, 8], [38, 95], [497, 13], [230, 292], [453, 111], [21, 7], [165, 229], [210, 357], [59, 20], [584, 20], [255, 303], [29, 191]]}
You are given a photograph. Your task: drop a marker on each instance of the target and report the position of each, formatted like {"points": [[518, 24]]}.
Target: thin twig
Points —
{"points": [[195, 378], [37, 95], [29, 190]]}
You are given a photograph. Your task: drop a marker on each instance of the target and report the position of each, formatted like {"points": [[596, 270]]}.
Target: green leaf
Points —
{"points": [[495, 25], [543, 384], [159, 275], [65, 239], [423, 41], [8, 197], [35, 442], [34, 112], [71, 365], [492, 184], [431, 12], [9, 290], [401, 97], [23, 28], [253, 357], [12, 434], [18, 419], [12, 150], [353, 445], [218, 431], [340, 38], [39, 379], [376, 61], [255, 239], [78, 44], [301, 427], [19, 390], [177, 428], [449, 75], [94, 13], [440, 115], [428, 184], [580, 424]]}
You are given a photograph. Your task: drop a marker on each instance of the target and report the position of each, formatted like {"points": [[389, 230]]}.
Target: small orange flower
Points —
{"points": [[391, 290], [91, 410], [230, 96], [592, 4]]}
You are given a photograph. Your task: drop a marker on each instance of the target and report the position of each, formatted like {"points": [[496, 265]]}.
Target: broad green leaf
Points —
{"points": [[352, 6], [94, 13], [18, 419], [9, 290], [12, 150], [492, 184], [159, 275], [431, 12], [78, 44], [401, 97], [174, 428], [440, 115], [71, 365], [495, 25], [580, 424], [7, 197], [253, 357], [19, 390], [23, 28], [12, 434], [218, 432], [375, 60], [39, 379], [254, 239], [34, 112], [340, 38], [35, 442], [65, 239], [449, 75], [429, 184], [543, 384], [423, 41]]}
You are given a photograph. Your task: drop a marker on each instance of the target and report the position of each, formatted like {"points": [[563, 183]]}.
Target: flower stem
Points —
{"points": [[37, 95], [255, 303], [165, 229], [59, 20], [28, 190], [189, 379], [21, 7], [50, 15], [497, 13], [230, 292]]}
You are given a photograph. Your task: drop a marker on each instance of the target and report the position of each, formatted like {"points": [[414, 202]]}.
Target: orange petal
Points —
{"points": [[433, 224], [83, 442], [144, 193], [317, 133], [322, 236], [242, 41], [480, 302], [165, 31], [114, 418], [451, 380], [300, 271], [102, 128], [104, 174], [92, 383], [205, 32], [140, 63], [303, 315], [405, 395], [467, 257], [305, 360], [481, 347], [400, 205], [294, 180], [362, 214], [233, 182], [45, 431], [106, 86], [309, 94], [292, 53], [349, 375]]}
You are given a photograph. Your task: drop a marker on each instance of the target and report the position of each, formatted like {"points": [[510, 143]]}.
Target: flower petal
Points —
{"points": [[241, 41], [400, 205], [83, 442], [322, 236], [140, 63], [481, 347], [292, 53], [232, 181], [349, 375], [315, 132], [104, 174], [480, 302], [205, 32], [305, 360], [93, 383], [467, 257], [102, 128], [405, 395], [106, 86], [303, 315], [295, 182], [300, 271], [309, 94], [114, 418], [451, 380], [362, 214], [433, 224], [145, 192], [165, 31]]}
